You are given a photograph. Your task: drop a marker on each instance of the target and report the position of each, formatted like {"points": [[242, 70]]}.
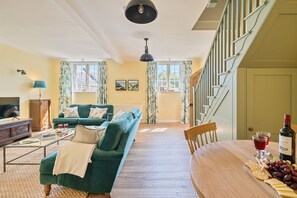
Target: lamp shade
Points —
{"points": [[39, 84], [146, 57], [141, 11]]}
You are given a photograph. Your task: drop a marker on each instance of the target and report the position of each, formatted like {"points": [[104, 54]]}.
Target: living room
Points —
{"points": [[38, 38], [40, 59]]}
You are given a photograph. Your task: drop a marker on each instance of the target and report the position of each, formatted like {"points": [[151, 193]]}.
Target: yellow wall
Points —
{"points": [[127, 71], [169, 102], [13, 84]]}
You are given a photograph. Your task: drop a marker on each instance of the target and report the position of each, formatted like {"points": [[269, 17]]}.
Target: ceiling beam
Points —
{"points": [[76, 11]]}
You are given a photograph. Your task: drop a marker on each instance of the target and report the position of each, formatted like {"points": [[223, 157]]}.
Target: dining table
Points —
{"points": [[218, 170]]}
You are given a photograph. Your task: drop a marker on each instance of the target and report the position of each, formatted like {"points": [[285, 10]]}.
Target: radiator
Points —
{"points": [[126, 107]]}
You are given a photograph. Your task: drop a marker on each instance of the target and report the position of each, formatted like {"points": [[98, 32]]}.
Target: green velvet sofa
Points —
{"points": [[107, 159], [84, 111]]}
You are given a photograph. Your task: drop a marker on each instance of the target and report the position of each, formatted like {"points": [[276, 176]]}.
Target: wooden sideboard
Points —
{"points": [[11, 130], [40, 114]]}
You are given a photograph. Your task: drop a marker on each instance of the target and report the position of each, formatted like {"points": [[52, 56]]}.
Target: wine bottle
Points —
{"points": [[287, 141]]}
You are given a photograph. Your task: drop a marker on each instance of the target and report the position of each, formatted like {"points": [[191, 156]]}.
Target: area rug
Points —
{"points": [[22, 181]]}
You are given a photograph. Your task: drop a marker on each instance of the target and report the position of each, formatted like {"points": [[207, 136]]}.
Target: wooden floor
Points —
{"points": [[157, 165]]}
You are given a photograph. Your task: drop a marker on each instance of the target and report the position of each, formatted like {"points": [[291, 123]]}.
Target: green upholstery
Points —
{"points": [[113, 134], [72, 121], [91, 121], [83, 109], [83, 112], [106, 164]]}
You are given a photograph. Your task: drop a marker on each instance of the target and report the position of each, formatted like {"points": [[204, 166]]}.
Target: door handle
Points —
{"points": [[250, 128]]}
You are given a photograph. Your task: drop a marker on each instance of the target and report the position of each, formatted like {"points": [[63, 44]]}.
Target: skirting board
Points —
{"points": [[168, 121], [143, 121]]}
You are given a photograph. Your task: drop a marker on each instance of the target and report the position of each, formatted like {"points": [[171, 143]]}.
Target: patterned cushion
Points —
{"points": [[71, 112], [97, 112]]}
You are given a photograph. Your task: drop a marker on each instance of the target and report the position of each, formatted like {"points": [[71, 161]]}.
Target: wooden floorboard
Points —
{"points": [[157, 165]]}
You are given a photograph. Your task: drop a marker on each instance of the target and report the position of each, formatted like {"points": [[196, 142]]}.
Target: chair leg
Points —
{"points": [[107, 195], [47, 189]]}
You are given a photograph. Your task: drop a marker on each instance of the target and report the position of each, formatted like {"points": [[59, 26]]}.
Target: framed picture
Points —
{"points": [[120, 85], [133, 85]]}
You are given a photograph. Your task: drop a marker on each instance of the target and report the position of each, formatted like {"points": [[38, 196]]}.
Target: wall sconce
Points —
{"points": [[22, 71]]}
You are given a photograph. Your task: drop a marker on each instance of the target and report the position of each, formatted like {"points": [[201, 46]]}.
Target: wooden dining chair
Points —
{"points": [[198, 136]]}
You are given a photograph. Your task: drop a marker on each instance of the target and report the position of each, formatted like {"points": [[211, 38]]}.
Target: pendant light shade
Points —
{"points": [[146, 57], [141, 11]]}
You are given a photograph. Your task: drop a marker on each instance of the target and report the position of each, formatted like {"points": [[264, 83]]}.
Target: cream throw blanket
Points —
{"points": [[73, 158]]}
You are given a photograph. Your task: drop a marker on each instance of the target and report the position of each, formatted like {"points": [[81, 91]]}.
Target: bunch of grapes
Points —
{"points": [[283, 171]]}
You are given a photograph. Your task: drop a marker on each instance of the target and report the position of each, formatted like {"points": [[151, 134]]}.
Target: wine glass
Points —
{"points": [[266, 134], [260, 144]]}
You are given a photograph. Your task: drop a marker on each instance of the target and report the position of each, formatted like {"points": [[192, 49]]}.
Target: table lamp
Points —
{"points": [[39, 84]]}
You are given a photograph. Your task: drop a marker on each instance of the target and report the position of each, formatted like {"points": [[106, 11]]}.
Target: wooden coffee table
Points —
{"points": [[38, 142]]}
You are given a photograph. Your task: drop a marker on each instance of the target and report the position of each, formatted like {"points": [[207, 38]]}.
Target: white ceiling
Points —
{"points": [[98, 29]]}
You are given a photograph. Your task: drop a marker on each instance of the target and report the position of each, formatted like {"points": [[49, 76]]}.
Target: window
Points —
{"points": [[85, 77], [168, 76]]}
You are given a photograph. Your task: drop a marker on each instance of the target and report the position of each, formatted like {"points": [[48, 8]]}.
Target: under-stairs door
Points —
{"points": [[270, 94], [193, 83]]}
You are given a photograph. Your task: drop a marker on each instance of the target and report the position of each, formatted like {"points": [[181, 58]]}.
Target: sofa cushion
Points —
{"points": [[97, 112], [118, 115], [87, 135], [113, 134], [90, 121], [66, 120], [83, 109], [109, 107], [71, 112], [128, 116]]}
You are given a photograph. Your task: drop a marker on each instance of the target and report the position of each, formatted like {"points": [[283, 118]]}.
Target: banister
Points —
{"points": [[232, 26]]}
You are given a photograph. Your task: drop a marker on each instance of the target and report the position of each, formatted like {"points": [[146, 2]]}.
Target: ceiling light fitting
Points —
{"points": [[146, 57], [141, 11], [22, 71]]}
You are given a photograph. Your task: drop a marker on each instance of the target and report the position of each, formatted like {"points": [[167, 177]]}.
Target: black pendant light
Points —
{"points": [[146, 57], [141, 11]]}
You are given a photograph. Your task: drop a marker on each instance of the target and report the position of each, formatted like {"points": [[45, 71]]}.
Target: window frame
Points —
{"points": [[168, 64], [87, 76]]}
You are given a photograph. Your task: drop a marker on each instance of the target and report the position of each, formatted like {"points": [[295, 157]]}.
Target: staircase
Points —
{"points": [[240, 22]]}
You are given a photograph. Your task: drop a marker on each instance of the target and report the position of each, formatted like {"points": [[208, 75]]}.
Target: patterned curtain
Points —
{"points": [[186, 71], [151, 105], [102, 88], [65, 85]]}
